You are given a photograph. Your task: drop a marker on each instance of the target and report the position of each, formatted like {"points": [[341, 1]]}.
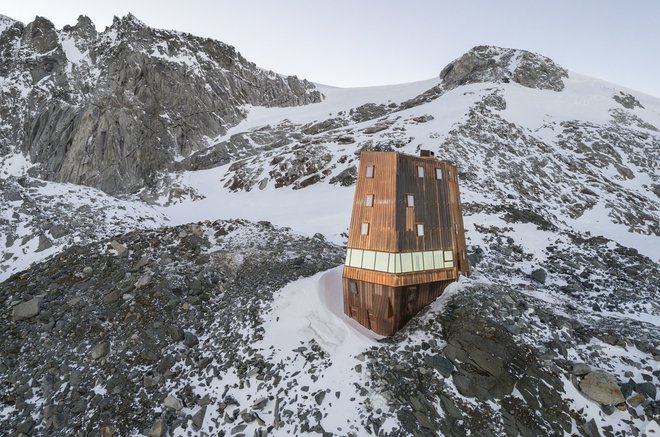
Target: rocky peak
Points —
{"points": [[41, 35], [84, 27], [127, 22], [6, 22], [498, 64], [111, 109]]}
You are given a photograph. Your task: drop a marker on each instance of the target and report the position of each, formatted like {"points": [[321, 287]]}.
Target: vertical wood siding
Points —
{"points": [[386, 301], [385, 309]]}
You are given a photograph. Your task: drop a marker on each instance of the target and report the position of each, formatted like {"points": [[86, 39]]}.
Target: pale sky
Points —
{"points": [[377, 42]]}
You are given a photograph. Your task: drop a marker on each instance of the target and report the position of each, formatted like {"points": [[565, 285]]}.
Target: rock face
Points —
{"points": [[110, 109], [602, 387], [496, 64]]}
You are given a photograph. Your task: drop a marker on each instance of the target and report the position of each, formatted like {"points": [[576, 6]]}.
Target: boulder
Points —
{"points": [[158, 429], [602, 387], [172, 403], [100, 350], [119, 248], [581, 369], [26, 310], [539, 275], [44, 243], [441, 364]]}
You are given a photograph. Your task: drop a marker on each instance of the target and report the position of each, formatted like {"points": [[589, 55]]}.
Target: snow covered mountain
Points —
{"points": [[174, 326], [110, 109]]}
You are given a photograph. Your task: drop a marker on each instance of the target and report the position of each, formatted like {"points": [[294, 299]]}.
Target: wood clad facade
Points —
{"points": [[406, 238]]}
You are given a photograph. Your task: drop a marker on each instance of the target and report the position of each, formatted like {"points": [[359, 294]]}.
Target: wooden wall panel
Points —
{"points": [[369, 306], [382, 227], [431, 206], [386, 301]]}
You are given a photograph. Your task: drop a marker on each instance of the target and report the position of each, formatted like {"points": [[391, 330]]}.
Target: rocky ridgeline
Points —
{"points": [[299, 155], [110, 109], [106, 338], [497, 65], [560, 171]]}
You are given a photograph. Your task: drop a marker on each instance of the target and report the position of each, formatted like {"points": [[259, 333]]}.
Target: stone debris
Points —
{"points": [[119, 248]]}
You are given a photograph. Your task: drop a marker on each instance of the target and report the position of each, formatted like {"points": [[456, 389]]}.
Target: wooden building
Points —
{"points": [[406, 241]]}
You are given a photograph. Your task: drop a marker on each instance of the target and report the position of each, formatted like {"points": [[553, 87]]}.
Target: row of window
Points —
{"points": [[364, 229], [410, 200], [420, 172], [399, 262]]}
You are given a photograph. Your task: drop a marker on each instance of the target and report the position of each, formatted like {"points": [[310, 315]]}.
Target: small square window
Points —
{"points": [[369, 201], [364, 230], [420, 230], [410, 200], [370, 171], [438, 174], [352, 286], [420, 172]]}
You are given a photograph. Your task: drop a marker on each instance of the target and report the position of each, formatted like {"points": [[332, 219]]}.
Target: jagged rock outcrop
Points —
{"points": [[497, 64], [110, 109]]}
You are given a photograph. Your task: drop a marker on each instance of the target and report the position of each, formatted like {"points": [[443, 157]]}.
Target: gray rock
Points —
{"points": [[158, 429], [44, 243], [647, 388], [539, 275], [346, 177], [260, 403], [591, 429], [143, 261], [441, 364], [111, 297], [190, 339], [198, 418], [100, 350], [27, 309], [172, 403], [58, 231], [175, 332], [581, 369], [318, 397], [119, 248], [602, 387], [144, 280]]}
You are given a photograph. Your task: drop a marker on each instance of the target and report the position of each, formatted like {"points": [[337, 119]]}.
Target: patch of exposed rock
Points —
{"points": [[496, 64], [90, 347], [110, 109]]}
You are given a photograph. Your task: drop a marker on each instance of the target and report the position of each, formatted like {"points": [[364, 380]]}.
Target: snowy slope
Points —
{"points": [[584, 99], [561, 178]]}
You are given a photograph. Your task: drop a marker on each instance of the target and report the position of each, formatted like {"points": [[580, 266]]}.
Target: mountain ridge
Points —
{"points": [[181, 309], [196, 91]]}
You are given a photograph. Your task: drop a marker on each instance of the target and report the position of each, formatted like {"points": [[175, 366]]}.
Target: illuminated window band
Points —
{"points": [[399, 262]]}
